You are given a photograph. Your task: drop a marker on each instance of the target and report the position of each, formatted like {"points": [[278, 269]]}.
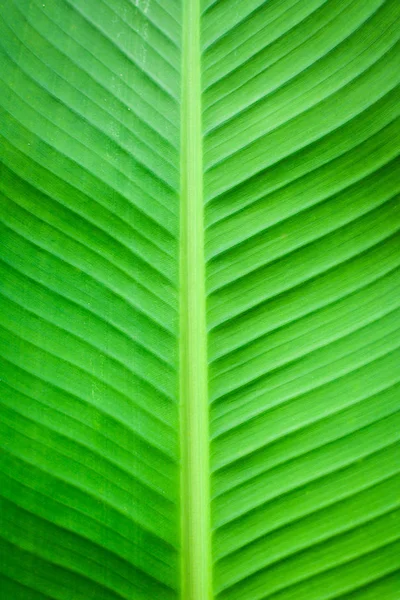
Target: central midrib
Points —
{"points": [[195, 487]]}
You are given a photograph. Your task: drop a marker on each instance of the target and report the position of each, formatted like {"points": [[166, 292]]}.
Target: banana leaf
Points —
{"points": [[200, 300]]}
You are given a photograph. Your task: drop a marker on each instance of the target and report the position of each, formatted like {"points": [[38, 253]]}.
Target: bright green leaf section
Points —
{"points": [[200, 314], [302, 182], [89, 314]]}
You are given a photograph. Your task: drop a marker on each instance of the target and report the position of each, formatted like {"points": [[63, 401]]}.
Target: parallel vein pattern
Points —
{"points": [[291, 137], [302, 183], [90, 121]]}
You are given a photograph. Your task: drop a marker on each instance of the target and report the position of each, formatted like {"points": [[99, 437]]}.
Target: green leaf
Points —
{"points": [[199, 320]]}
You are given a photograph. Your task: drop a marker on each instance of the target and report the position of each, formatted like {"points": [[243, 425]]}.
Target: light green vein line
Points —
{"points": [[195, 487]]}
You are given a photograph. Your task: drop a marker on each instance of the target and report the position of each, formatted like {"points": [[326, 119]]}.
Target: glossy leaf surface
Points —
{"points": [[200, 315]]}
